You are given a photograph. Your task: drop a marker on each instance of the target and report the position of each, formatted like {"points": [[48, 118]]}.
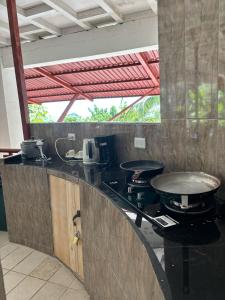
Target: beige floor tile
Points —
{"points": [[3, 238], [7, 249], [50, 291], [46, 269], [30, 263], [5, 271], [12, 279], [63, 277], [76, 285], [15, 257], [71, 294], [26, 289]]}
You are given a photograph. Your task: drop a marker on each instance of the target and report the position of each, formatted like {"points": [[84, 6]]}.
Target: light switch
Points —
{"points": [[139, 143]]}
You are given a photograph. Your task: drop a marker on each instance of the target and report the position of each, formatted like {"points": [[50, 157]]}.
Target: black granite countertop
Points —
{"points": [[189, 260]]}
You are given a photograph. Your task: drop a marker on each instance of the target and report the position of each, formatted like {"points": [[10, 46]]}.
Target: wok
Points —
{"points": [[143, 168], [186, 183]]}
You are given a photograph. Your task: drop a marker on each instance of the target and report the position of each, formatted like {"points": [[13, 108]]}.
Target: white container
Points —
{"points": [[90, 152]]}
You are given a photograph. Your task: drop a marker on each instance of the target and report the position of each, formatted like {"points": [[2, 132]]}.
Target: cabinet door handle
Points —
{"points": [[77, 215]]}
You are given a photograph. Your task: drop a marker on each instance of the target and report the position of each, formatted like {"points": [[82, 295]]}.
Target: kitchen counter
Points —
{"points": [[189, 260]]}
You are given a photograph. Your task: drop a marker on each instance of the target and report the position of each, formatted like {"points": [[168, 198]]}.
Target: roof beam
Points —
{"points": [[110, 9], [46, 26], [154, 6], [36, 21], [32, 101], [5, 28], [30, 29], [61, 82], [94, 92], [129, 65], [147, 68], [126, 108], [47, 100], [66, 110], [68, 12], [94, 84]]}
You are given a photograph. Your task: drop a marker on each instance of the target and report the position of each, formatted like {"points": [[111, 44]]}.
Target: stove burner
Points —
{"points": [[189, 206], [198, 208], [142, 184], [139, 181]]}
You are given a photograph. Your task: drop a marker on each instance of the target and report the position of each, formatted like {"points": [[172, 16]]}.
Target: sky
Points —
{"points": [[80, 107]]}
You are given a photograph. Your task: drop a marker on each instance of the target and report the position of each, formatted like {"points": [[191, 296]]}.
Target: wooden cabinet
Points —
{"points": [[67, 237]]}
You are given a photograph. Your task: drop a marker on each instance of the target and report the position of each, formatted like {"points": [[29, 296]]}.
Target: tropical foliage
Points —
{"points": [[147, 110], [38, 114]]}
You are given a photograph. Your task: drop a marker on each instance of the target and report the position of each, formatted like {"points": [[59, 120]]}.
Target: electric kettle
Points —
{"points": [[90, 152]]}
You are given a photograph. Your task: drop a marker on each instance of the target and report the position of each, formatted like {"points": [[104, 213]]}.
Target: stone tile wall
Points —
{"points": [[191, 135]]}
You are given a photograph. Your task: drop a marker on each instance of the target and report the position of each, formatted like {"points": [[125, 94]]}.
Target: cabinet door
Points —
{"points": [[73, 207], [60, 218], [65, 203], [27, 204]]}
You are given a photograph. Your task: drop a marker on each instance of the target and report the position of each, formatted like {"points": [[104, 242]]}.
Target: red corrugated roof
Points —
{"points": [[120, 76]]}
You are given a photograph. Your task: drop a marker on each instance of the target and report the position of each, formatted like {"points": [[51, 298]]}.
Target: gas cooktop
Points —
{"points": [[164, 213]]}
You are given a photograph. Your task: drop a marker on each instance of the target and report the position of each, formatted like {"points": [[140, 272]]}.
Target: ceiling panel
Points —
{"points": [[97, 15]]}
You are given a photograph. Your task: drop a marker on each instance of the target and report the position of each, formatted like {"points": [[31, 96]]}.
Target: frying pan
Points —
{"points": [[143, 168], [187, 189], [186, 183]]}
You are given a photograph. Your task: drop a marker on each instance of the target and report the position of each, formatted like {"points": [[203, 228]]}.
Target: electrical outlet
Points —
{"points": [[71, 136], [139, 143]]}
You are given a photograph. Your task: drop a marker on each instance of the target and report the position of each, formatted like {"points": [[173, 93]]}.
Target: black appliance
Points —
{"points": [[148, 204], [30, 149], [105, 146]]}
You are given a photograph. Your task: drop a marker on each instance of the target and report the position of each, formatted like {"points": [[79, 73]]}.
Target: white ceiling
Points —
{"points": [[50, 18]]}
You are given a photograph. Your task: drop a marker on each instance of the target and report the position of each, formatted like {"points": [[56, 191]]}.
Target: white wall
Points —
{"points": [[4, 130], [12, 108], [11, 133]]}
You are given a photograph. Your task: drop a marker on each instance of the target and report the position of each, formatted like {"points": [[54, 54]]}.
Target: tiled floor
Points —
{"points": [[29, 274]]}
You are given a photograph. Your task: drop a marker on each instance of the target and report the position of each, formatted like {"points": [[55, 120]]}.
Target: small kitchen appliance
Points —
{"points": [[31, 148], [99, 150], [90, 152], [105, 146]]}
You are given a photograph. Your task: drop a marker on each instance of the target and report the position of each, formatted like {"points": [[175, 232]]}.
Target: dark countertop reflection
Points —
{"points": [[189, 260]]}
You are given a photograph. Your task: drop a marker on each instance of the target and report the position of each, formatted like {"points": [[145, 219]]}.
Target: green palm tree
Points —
{"points": [[148, 110]]}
